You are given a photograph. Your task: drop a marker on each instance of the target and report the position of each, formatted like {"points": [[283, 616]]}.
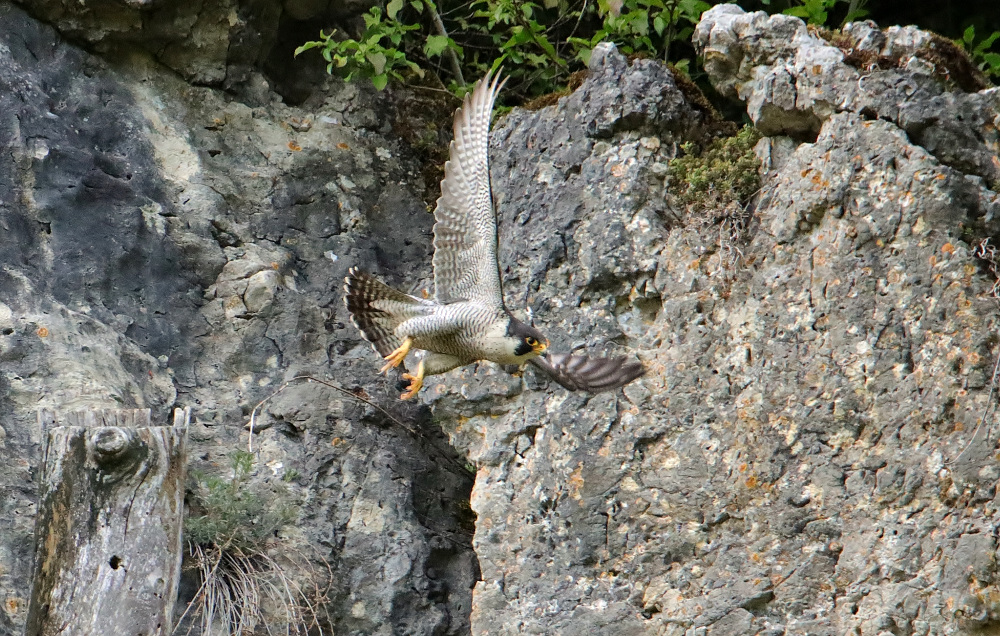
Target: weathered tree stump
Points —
{"points": [[108, 530]]}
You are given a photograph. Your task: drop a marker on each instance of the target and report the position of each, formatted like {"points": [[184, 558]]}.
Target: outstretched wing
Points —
{"points": [[589, 374], [465, 234]]}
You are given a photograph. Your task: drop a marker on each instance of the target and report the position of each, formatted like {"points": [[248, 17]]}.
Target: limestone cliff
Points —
{"points": [[800, 458]]}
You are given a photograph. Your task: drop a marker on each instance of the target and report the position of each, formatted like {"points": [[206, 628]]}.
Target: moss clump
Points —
{"points": [[236, 513], [720, 179]]}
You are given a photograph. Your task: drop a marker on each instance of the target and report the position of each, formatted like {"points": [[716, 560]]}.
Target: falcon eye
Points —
{"points": [[531, 341]]}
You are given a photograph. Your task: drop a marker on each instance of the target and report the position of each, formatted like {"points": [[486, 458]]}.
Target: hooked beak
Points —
{"points": [[540, 347]]}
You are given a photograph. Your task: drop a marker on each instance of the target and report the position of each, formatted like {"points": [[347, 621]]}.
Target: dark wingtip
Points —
{"points": [[593, 375]]}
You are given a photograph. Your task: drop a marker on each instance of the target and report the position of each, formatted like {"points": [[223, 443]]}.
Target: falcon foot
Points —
{"points": [[416, 381], [396, 358]]}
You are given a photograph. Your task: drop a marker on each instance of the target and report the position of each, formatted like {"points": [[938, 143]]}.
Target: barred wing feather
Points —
{"points": [[593, 375], [465, 232]]}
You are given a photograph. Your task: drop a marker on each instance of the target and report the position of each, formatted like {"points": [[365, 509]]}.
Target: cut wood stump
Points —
{"points": [[108, 530]]}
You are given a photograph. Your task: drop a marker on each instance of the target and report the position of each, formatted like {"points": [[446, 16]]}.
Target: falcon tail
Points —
{"points": [[377, 309]]}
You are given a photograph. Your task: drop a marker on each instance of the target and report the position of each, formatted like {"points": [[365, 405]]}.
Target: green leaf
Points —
{"points": [[380, 81], [855, 15], [659, 24], [969, 35], [988, 42], [435, 45], [377, 60], [393, 8], [418, 5], [993, 60], [306, 47]]}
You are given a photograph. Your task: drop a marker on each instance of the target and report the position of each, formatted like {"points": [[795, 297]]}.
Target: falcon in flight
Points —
{"points": [[467, 321]]}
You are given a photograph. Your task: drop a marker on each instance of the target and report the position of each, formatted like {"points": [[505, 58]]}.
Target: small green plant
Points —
{"points": [[725, 173], [242, 586], [541, 43], [983, 58], [376, 54], [237, 513], [715, 186], [643, 26], [817, 12]]}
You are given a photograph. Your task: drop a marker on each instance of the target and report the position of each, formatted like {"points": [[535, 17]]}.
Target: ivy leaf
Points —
{"points": [[380, 81], [436, 44], [393, 8]]}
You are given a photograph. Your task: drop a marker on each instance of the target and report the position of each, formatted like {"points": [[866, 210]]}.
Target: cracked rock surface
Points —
{"points": [[166, 245], [801, 457]]}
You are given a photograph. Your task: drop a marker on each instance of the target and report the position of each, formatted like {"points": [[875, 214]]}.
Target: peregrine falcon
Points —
{"points": [[467, 320]]}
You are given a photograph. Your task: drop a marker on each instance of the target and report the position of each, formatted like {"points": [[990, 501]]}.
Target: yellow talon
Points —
{"points": [[396, 358], [416, 381]]}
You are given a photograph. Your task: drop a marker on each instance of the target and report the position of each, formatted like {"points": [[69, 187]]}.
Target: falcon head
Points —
{"points": [[524, 341]]}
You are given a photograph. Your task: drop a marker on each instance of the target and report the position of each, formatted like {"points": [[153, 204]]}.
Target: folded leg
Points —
{"points": [[396, 358], [430, 364]]}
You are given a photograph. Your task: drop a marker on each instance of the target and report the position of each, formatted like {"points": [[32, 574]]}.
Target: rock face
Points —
{"points": [[801, 458], [167, 245]]}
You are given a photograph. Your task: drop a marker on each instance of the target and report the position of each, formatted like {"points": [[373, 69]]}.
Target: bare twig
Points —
{"points": [[456, 66], [309, 378]]}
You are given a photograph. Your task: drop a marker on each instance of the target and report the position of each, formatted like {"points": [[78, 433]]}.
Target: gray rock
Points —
{"points": [[793, 81], [817, 396], [800, 458], [165, 245]]}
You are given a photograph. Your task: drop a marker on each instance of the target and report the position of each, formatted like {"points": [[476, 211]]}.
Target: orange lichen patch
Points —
{"points": [[275, 265], [343, 146], [293, 146], [948, 248], [751, 482], [337, 441], [575, 482], [743, 467], [42, 332], [756, 557], [618, 170], [12, 604]]}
